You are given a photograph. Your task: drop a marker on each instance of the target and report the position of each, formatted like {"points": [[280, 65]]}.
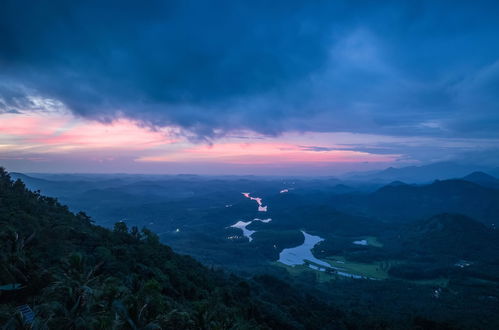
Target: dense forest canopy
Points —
{"points": [[74, 274]]}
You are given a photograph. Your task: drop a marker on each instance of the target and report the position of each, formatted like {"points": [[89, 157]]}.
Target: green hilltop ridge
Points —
{"points": [[76, 275], [407, 203], [454, 235]]}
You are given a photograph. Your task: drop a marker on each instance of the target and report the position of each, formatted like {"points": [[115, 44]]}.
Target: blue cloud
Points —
{"points": [[400, 68]]}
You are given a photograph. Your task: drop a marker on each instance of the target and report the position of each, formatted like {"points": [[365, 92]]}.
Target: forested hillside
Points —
{"points": [[76, 275], [405, 203]]}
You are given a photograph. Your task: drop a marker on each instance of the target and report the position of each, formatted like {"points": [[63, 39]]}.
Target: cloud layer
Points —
{"points": [[418, 68]]}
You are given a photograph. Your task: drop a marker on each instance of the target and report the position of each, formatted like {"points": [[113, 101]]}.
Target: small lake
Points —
{"points": [[298, 255]]}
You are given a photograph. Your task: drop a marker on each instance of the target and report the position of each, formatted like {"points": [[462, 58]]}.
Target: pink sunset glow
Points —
{"points": [[124, 145], [265, 153], [51, 133]]}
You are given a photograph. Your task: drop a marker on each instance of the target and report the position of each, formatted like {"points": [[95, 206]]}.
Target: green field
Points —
{"points": [[373, 241], [303, 269], [375, 270]]}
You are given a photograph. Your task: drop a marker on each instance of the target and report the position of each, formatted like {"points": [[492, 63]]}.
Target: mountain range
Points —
{"points": [[407, 202], [420, 174]]}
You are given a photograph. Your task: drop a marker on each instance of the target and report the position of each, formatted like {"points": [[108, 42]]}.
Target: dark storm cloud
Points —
{"points": [[405, 68]]}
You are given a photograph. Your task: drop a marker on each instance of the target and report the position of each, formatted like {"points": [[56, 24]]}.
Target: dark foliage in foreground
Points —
{"points": [[76, 275]]}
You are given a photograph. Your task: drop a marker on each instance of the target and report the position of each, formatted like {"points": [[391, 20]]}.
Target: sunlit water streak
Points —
{"points": [[258, 200]]}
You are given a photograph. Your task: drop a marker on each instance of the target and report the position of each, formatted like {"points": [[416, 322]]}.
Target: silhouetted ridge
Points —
{"points": [[416, 174], [481, 176], [405, 203], [483, 179]]}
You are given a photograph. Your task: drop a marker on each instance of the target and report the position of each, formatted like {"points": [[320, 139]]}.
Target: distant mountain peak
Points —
{"points": [[483, 179], [417, 174], [479, 175]]}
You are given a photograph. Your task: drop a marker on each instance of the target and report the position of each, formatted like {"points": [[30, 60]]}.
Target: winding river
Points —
{"points": [[302, 253], [247, 232], [298, 255]]}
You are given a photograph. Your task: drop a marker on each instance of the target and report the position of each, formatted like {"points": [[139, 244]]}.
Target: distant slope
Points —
{"points": [[416, 174], [53, 188], [34, 183], [483, 179], [404, 203], [452, 234], [311, 212], [445, 246]]}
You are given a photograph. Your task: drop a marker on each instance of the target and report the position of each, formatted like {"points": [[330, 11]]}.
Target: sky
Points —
{"points": [[247, 87]]}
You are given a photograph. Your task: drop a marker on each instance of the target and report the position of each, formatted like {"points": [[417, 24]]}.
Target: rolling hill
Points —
{"points": [[453, 235], [406, 203]]}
